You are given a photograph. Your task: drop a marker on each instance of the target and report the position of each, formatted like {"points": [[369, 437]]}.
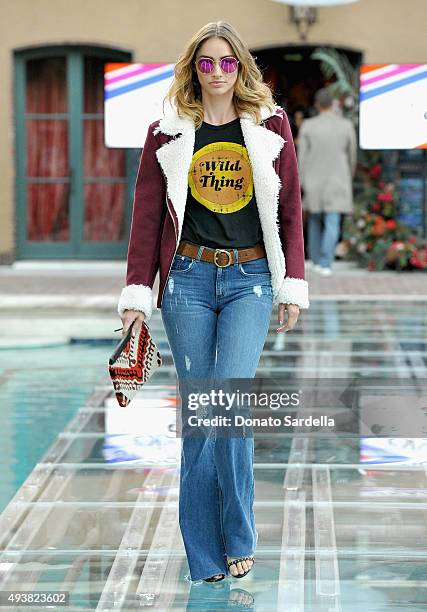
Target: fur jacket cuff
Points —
{"points": [[293, 291], [136, 297]]}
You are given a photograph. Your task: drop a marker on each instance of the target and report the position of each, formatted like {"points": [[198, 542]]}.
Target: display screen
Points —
{"points": [[133, 98], [393, 106]]}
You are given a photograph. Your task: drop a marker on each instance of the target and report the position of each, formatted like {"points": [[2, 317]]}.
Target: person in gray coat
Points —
{"points": [[327, 156]]}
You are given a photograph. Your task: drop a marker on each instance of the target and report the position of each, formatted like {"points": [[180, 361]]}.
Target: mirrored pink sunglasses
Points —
{"points": [[227, 64]]}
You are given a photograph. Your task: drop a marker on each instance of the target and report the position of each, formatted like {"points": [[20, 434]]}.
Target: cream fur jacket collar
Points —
{"points": [[161, 193]]}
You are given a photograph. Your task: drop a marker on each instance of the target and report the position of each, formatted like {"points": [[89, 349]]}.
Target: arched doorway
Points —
{"points": [[295, 76], [72, 193]]}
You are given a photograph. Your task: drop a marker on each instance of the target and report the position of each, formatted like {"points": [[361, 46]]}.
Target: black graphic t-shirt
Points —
{"points": [[221, 210]]}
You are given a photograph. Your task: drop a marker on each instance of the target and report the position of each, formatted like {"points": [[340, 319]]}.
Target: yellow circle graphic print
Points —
{"points": [[220, 177]]}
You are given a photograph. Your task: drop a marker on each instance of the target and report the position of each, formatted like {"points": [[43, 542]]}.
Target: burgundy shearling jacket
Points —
{"points": [[161, 193]]}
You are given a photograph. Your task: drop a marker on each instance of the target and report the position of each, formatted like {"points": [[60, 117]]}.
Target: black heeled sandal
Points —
{"points": [[236, 561], [212, 579]]}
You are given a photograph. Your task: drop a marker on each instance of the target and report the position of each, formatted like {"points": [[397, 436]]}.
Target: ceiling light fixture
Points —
{"points": [[303, 13]]}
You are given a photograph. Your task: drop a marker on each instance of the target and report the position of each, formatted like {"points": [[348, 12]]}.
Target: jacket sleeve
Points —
{"points": [[303, 149], [145, 233], [294, 289], [352, 148]]}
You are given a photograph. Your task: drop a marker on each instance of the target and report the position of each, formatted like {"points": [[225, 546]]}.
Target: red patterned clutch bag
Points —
{"points": [[133, 362]]}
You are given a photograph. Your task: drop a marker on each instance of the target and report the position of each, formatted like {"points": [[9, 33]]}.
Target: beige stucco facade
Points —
{"points": [[382, 30]]}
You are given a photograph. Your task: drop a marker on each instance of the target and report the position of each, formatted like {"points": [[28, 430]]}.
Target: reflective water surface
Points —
{"points": [[341, 519]]}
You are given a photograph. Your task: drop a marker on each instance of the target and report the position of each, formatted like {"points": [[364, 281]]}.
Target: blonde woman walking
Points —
{"points": [[217, 212]]}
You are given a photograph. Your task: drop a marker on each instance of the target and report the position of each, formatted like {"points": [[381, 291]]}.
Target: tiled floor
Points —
{"points": [[341, 518]]}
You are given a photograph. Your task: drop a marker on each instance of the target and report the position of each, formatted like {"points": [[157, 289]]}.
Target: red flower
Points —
{"points": [[375, 171], [391, 224], [385, 197], [379, 226], [376, 206], [419, 258], [415, 260]]}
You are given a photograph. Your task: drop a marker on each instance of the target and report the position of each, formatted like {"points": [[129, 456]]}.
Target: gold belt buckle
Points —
{"points": [[222, 251]]}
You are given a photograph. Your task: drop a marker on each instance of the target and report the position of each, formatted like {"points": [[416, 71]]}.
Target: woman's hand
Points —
{"points": [[128, 317], [293, 312]]}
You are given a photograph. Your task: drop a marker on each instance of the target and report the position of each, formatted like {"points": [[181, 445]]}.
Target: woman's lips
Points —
{"points": [[216, 83]]}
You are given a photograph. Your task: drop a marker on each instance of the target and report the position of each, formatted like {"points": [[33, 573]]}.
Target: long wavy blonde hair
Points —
{"points": [[250, 92]]}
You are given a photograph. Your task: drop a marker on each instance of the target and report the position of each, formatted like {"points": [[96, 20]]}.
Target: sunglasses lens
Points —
{"points": [[228, 64], [205, 65]]}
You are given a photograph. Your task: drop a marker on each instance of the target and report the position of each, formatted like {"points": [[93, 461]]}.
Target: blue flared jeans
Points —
{"points": [[216, 321]]}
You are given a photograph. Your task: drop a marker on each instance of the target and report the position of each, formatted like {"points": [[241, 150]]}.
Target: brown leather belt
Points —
{"points": [[221, 257]]}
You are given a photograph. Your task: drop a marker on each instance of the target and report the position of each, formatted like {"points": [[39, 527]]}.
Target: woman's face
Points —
{"points": [[215, 48]]}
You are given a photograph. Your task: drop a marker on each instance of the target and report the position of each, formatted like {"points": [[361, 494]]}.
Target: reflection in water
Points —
{"points": [[338, 521]]}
